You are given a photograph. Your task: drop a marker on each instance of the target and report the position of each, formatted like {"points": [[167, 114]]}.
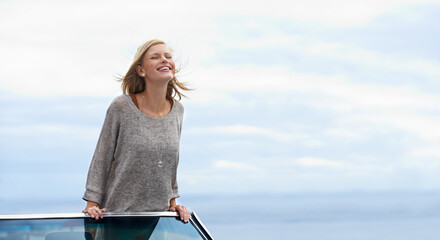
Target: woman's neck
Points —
{"points": [[153, 101]]}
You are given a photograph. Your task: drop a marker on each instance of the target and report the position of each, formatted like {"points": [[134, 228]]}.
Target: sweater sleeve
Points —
{"points": [[103, 157], [175, 186]]}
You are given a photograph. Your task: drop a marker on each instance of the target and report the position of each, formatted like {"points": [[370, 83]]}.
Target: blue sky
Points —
{"points": [[289, 96]]}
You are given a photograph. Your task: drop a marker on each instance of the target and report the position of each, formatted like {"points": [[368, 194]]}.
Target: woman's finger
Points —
{"points": [[184, 214], [99, 213], [93, 212], [90, 212], [188, 214]]}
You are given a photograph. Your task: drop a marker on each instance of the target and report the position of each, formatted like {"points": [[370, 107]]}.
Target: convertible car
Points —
{"points": [[75, 226]]}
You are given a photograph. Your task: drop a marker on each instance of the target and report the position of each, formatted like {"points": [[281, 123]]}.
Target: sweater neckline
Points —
{"points": [[138, 111]]}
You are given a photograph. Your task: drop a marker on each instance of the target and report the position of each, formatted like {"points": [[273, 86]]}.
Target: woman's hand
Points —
{"points": [[183, 212], [93, 210]]}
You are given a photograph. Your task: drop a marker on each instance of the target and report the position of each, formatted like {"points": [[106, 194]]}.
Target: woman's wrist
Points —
{"points": [[173, 203], [91, 204]]}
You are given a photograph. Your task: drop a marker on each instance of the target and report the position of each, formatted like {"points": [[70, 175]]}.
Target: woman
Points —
{"points": [[134, 165]]}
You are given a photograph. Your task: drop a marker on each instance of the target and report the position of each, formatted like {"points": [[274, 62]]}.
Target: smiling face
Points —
{"points": [[157, 64]]}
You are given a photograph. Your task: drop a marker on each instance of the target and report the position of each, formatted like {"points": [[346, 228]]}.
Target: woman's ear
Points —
{"points": [[140, 71]]}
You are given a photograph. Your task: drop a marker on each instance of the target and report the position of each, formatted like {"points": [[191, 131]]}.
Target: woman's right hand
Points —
{"points": [[93, 210]]}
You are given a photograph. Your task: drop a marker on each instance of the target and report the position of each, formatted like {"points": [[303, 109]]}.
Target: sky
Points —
{"points": [[289, 96]]}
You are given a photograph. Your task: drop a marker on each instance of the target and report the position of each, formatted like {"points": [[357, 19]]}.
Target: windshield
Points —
{"points": [[111, 227]]}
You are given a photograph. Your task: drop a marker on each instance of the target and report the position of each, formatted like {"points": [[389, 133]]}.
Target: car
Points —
{"points": [[75, 226]]}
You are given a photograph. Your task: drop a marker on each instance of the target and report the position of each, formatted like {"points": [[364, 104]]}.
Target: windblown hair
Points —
{"points": [[132, 83]]}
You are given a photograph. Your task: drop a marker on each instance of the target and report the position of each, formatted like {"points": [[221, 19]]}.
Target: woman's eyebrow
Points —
{"points": [[158, 53]]}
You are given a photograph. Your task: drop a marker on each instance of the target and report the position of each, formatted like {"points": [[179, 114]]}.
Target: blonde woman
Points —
{"points": [[134, 165]]}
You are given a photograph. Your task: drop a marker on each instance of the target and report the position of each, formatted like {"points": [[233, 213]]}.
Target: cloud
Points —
{"points": [[295, 50], [236, 166], [426, 152], [240, 130], [339, 13], [403, 107], [318, 162], [83, 45], [79, 132]]}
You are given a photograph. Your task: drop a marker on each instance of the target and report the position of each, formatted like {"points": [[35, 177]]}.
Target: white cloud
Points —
{"points": [[368, 58], [236, 166], [399, 106], [240, 130], [319, 162], [52, 131], [77, 48], [338, 13], [209, 97], [426, 152]]}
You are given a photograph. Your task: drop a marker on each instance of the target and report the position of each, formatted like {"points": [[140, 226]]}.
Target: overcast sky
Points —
{"points": [[289, 95]]}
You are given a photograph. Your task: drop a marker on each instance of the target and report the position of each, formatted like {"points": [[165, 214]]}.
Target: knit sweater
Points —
{"points": [[135, 162]]}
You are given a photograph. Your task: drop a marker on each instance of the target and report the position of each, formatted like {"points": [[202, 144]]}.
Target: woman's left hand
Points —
{"points": [[183, 212]]}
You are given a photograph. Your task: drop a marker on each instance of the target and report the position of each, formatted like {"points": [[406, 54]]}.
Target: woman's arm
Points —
{"points": [[183, 211], [101, 162]]}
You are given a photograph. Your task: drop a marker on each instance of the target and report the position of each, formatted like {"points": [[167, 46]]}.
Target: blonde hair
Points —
{"points": [[132, 83]]}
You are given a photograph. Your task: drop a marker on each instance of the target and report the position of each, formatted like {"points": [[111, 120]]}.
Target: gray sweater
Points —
{"points": [[135, 162]]}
